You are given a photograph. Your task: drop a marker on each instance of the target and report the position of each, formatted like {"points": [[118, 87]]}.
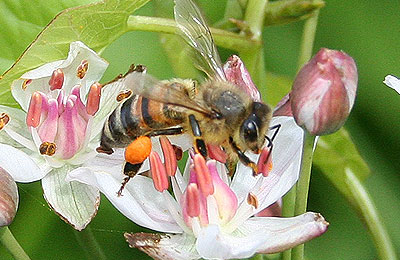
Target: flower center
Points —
{"points": [[61, 122]]}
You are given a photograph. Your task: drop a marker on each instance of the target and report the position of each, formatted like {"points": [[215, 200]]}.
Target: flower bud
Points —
{"points": [[8, 198], [236, 72], [323, 92]]}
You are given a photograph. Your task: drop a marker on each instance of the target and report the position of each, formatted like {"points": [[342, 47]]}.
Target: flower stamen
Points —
{"points": [[34, 110], [215, 152], [252, 200], [193, 200], [93, 101], [26, 83], [169, 156], [124, 94], [264, 164], [203, 175], [4, 118], [158, 172], [47, 148], [57, 79], [82, 69]]}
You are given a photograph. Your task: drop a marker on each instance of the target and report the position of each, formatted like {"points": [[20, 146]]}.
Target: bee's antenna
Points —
{"points": [[276, 128]]}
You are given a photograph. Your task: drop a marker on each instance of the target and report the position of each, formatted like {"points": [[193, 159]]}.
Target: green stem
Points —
{"points": [[288, 204], [303, 186], [306, 48], [370, 215], [254, 57], [254, 17], [88, 243], [307, 42], [257, 257], [8, 240], [222, 38]]}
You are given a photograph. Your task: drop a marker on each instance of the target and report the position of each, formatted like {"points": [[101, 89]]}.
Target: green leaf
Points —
{"points": [[97, 25], [336, 154], [22, 20]]}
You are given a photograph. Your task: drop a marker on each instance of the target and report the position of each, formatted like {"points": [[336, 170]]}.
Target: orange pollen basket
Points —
{"points": [[138, 150]]}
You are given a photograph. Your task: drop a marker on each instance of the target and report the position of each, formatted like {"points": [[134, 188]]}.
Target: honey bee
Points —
{"points": [[215, 112]]}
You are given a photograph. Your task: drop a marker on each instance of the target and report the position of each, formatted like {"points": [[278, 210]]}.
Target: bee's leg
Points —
{"points": [[242, 157], [199, 144], [167, 131], [130, 170], [231, 165]]}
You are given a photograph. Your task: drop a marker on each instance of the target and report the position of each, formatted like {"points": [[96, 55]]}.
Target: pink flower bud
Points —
{"points": [[8, 198], [236, 72], [323, 92]]}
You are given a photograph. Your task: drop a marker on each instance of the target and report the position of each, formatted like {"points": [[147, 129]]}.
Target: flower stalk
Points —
{"points": [[89, 244], [254, 58], [306, 48], [8, 240], [370, 216], [222, 38]]}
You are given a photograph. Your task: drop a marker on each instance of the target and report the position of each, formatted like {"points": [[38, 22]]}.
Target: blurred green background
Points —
{"points": [[366, 30]]}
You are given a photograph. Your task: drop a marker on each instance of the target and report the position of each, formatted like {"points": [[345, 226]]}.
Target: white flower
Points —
{"points": [[392, 82], [64, 109], [209, 215]]}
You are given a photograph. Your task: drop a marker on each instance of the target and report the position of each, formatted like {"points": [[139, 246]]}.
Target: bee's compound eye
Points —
{"points": [[249, 131]]}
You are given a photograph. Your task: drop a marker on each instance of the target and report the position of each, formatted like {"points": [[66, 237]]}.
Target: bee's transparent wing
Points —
{"points": [[172, 93], [195, 31]]}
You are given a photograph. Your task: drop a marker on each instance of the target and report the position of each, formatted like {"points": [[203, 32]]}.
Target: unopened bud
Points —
{"points": [[323, 92], [236, 72], [8, 198]]}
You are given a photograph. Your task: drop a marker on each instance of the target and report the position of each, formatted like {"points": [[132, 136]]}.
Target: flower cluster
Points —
{"points": [[63, 110], [207, 214]]}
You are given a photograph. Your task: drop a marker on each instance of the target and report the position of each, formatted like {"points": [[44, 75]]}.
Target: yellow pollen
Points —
{"points": [[82, 69], [124, 94], [252, 200], [26, 83], [47, 148], [4, 118]]}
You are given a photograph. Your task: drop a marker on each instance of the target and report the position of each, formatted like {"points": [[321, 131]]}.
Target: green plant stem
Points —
{"points": [[370, 216], [222, 38], [254, 16], [257, 257], [303, 186], [307, 43], [254, 58], [11, 244], [306, 48], [89, 244], [289, 201]]}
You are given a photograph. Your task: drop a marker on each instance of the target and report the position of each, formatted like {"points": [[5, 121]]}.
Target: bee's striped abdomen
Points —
{"points": [[137, 116]]}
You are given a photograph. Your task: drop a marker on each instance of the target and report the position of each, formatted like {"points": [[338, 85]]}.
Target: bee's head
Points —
{"points": [[255, 126]]}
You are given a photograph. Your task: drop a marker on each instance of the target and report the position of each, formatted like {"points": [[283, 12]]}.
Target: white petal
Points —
{"points": [[19, 164], [40, 83], [139, 202], [286, 156], [280, 234], [15, 132], [108, 103], [392, 82], [260, 235], [76, 203], [164, 247], [184, 141], [77, 53], [213, 244]]}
